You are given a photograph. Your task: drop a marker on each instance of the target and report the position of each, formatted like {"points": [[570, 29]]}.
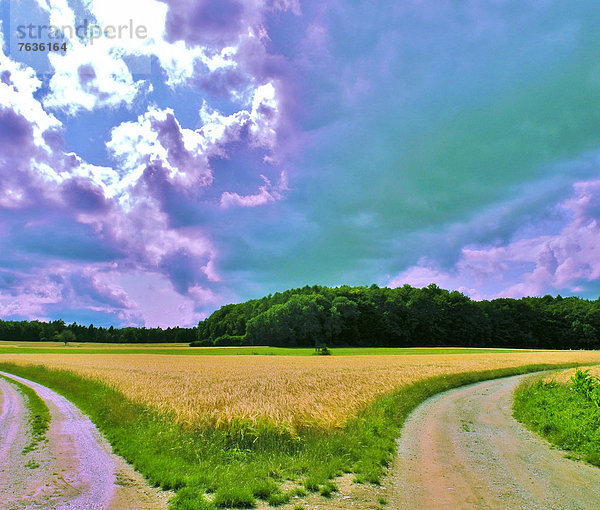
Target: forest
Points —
{"points": [[403, 317], [26, 331], [361, 317]]}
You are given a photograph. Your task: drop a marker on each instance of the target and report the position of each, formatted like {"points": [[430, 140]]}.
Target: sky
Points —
{"points": [[184, 154]]}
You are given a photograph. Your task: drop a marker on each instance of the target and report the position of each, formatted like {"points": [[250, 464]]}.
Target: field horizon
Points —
{"points": [[48, 347]]}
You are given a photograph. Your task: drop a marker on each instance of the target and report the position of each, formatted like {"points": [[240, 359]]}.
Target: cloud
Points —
{"points": [[159, 305], [527, 266], [157, 139], [267, 193], [80, 225], [408, 135], [86, 78], [204, 22], [76, 231], [82, 195], [98, 71], [64, 287]]}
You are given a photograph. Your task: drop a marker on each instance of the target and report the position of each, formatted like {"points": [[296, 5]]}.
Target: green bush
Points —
{"points": [[322, 351], [587, 385], [202, 343], [229, 341]]}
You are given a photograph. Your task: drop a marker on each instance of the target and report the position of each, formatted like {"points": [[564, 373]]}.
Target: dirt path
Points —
{"points": [[463, 449], [13, 439], [74, 469]]}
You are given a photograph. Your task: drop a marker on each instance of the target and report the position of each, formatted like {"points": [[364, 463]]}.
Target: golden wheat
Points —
{"points": [[564, 376], [289, 391]]}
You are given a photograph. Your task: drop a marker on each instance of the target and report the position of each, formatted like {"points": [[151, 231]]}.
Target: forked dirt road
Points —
{"points": [[459, 450], [463, 449], [73, 470]]}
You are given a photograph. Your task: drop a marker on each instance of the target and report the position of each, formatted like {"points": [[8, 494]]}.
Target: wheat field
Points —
{"points": [[564, 376], [288, 391]]}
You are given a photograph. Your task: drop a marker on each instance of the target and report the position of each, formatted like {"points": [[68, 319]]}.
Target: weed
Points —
{"points": [[263, 489], [565, 416], [311, 485], [279, 498], [239, 497], [299, 492], [587, 385], [32, 464], [328, 489]]}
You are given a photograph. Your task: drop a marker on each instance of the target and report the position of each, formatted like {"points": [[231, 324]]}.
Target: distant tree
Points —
{"points": [[65, 336]]}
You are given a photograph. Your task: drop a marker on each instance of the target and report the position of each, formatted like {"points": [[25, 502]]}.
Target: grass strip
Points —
{"points": [[236, 465], [38, 414], [250, 351], [566, 418]]}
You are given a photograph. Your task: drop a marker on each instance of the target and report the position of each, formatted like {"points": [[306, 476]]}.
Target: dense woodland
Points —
{"points": [[403, 317], [361, 316], [25, 331]]}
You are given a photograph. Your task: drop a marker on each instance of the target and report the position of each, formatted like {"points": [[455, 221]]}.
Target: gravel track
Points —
{"points": [[462, 449], [76, 468], [14, 437]]}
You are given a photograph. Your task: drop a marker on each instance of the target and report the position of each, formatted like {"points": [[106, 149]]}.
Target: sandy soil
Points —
{"points": [[463, 449], [73, 470]]}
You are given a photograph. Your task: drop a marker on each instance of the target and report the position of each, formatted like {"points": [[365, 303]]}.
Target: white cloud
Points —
{"points": [[90, 77], [265, 116], [262, 120], [95, 74], [157, 138], [138, 32]]}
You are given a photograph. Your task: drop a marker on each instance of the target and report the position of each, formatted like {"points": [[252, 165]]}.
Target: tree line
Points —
{"points": [[26, 331], [360, 316], [403, 317]]}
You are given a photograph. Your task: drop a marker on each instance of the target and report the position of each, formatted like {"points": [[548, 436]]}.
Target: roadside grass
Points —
{"points": [[232, 467], [38, 414], [183, 350], [565, 417]]}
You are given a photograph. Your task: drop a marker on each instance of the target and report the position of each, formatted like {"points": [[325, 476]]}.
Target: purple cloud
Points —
{"points": [[527, 266], [267, 193], [15, 133], [81, 195], [205, 22]]}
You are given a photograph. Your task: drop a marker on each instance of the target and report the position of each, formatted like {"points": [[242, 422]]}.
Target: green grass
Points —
{"points": [[38, 414], [566, 418], [233, 466], [237, 351]]}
